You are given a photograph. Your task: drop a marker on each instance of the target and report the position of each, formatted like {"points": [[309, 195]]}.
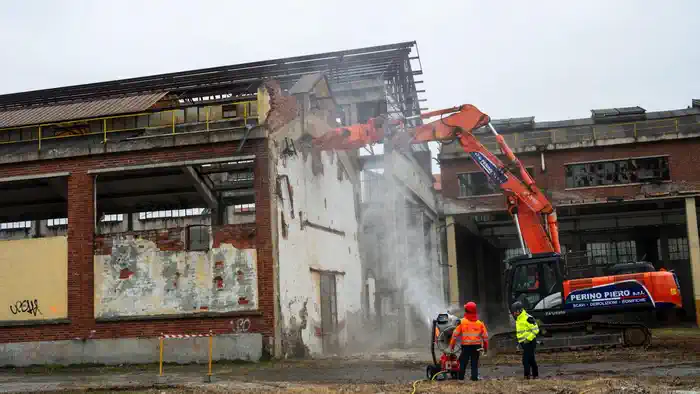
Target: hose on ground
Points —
{"points": [[426, 380]]}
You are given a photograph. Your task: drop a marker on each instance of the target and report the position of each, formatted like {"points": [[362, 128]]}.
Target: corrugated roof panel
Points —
{"points": [[80, 110]]}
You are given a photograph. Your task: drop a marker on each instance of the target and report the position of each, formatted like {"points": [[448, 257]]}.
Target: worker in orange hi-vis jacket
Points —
{"points": [[472, 336]]}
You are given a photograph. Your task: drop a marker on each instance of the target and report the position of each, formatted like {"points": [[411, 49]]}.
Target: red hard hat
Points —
{"points": [[470, 307]]}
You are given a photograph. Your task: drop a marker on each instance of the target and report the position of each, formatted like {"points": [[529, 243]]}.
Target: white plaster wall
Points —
{"points": [[326, 201], [413, 177], [139, 279]]}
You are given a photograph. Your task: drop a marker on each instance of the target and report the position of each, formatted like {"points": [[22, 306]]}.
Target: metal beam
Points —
{"points": [[170, 164], [563, 218], [148, 194], [225, 168], [152, 203], [184, 80], [238, 193], [33, 211], [202, 188], [236, 185], [32, 177]]}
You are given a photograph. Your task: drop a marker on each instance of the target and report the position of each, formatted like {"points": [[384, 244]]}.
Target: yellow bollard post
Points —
{"points": [[161, 356], [211, 345]]}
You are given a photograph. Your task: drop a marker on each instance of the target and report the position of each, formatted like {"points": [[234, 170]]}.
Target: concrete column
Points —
{"points": [[481, 276], [452, 260], [694, 249]]}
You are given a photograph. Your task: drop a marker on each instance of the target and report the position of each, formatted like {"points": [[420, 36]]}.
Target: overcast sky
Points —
{"points": [[548, 59]]}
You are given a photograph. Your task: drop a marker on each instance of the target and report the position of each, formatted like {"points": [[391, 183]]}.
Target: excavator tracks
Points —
{"points": [[578, 336]]}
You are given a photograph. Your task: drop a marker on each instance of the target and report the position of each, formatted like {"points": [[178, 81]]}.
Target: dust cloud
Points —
{"points": [[403, 251]]}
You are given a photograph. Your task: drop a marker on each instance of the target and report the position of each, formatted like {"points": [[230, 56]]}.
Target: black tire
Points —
{"points": [[430, 371]]}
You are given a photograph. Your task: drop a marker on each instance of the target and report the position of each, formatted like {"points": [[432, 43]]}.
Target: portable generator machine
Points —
{"points": [[448, 364]]}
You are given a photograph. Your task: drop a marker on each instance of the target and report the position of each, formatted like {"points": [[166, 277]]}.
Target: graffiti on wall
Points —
{"points": [[139, 279], [26, 306], [34, 279]]}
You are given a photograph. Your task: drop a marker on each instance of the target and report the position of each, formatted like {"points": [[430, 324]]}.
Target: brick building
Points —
{"points": [[624, 182], [180, 204]]}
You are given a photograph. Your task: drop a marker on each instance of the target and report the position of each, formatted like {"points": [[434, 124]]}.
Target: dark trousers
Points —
{"points": [[529, 359], [469, 352]]}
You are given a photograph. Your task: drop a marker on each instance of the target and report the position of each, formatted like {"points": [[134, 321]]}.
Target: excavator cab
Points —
{"points": [[537, 282]]}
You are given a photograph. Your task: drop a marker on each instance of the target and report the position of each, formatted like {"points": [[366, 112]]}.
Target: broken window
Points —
{"points": [[16, 225], [615, 172], [677, 248], [244, 208], [116, 217], [474, 184], [603, 253], [477, 184], [198, 238], [229, 110], [57, 222], [172, 213]]}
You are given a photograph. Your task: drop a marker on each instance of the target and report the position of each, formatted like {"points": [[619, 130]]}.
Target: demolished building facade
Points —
{"points": [[182, 204]]}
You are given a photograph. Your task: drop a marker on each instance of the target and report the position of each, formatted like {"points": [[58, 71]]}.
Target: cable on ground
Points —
{"points": [[425, 380]]}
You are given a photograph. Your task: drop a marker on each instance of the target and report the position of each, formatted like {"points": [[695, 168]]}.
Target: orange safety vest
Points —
{"points": [[469, 333]]}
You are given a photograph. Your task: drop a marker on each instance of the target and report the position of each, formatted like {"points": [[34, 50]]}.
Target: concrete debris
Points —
{"points": [[283, 109]]}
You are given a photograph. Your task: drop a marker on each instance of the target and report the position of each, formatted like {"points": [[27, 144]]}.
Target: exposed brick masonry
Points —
{"points": [[241, 236], [683, 161], [81, 247]]}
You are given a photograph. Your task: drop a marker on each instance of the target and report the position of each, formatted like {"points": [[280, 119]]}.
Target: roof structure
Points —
{"points": [[390, 63], [622, 122], [79, 110]]}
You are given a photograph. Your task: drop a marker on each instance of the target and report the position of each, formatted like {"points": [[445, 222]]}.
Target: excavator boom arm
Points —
{"points": [[524, 199]]}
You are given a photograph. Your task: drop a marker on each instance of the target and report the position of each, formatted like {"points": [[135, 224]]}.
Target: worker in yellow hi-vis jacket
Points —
{"points": [[527, 330]]}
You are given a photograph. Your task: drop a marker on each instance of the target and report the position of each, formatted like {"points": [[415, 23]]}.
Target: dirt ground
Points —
{"points": [[672, 364]]}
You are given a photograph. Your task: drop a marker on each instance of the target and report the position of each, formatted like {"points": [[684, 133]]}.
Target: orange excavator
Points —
{"points": [[569, 311]]}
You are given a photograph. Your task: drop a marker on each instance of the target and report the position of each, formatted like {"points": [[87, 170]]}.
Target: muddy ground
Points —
{"points": [[670, 365]]}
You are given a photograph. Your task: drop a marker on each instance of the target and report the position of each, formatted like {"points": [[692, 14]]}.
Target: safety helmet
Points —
{"points": [[516, 307], [470, 307]]}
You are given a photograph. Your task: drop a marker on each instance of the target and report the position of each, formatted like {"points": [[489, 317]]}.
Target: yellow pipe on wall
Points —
{"points": [[211, 346], [161, 356]]}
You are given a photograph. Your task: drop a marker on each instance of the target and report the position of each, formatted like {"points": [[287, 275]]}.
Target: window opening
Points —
{"points": [[198, 238]]}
